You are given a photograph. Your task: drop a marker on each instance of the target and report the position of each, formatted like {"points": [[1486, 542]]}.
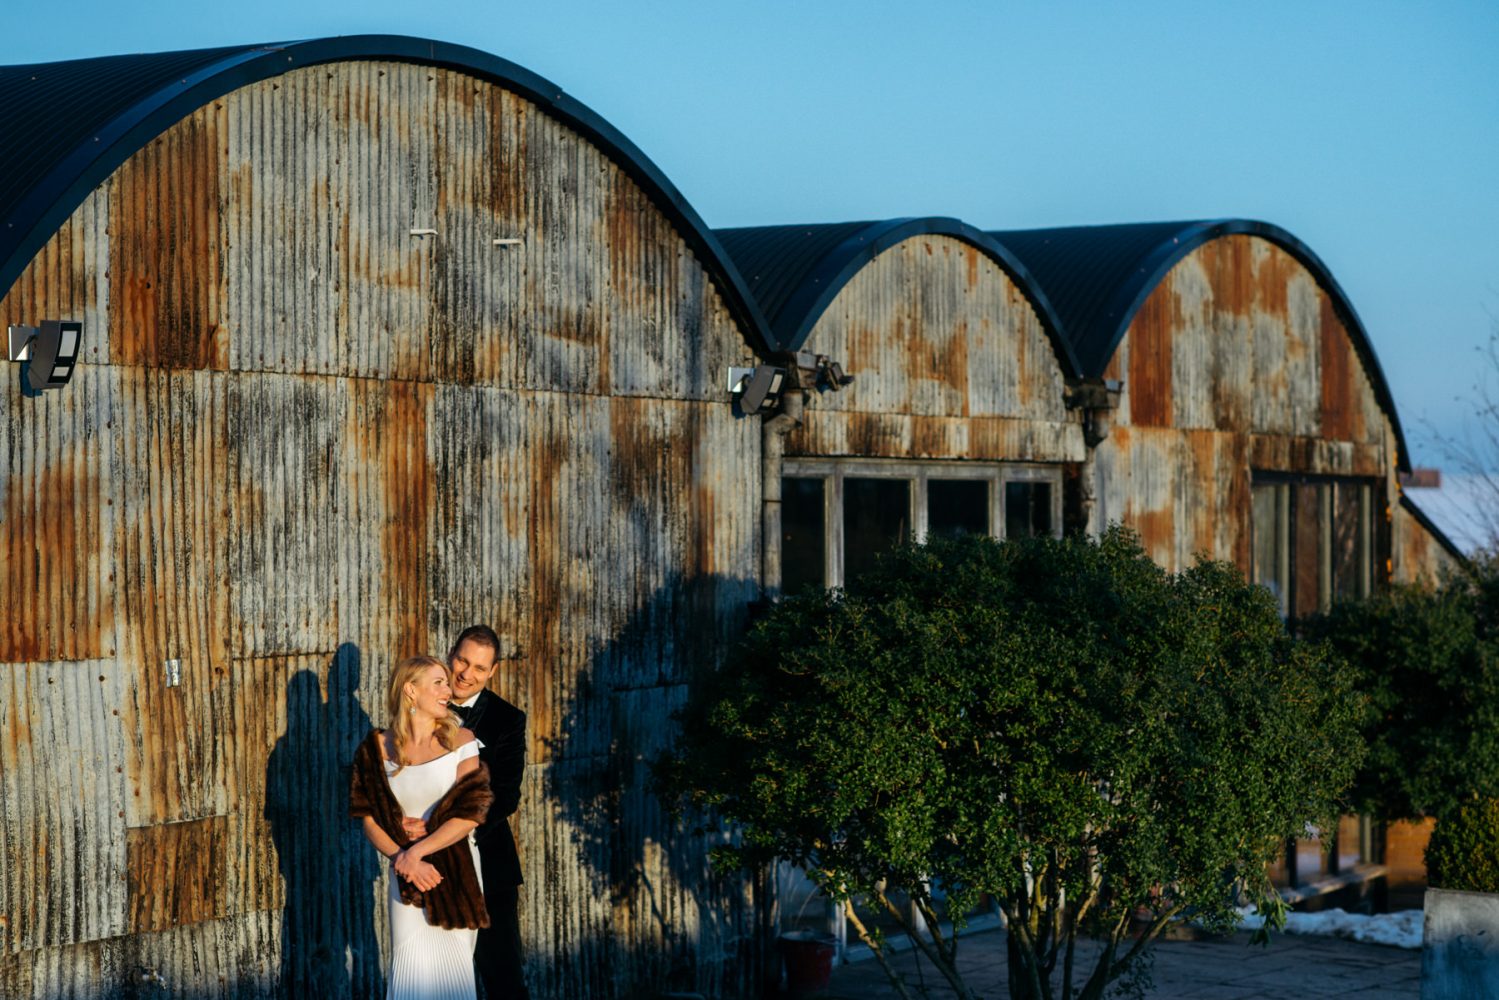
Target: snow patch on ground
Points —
{"points": [[1399, 930]]}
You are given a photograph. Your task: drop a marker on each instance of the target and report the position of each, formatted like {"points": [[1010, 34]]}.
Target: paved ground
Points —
{"points": [[1232, 969]]}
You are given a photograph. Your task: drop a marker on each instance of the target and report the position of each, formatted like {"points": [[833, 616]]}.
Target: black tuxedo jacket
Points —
{"points": [[501, 727]]}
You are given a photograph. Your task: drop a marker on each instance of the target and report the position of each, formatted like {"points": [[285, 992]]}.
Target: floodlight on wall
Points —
{"points": [[50, 351], [760, 389], [835, 376]]}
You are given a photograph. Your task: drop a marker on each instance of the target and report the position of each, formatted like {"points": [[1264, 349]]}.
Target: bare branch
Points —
{"points": [[939, 961], [1152, 932], [879, 952]]}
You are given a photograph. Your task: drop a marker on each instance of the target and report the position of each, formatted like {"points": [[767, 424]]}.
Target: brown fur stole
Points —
{"points": [[457, 902]]}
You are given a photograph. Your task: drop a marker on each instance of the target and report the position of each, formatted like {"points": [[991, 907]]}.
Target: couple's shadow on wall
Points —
{"points": [[329, 946], [637, 860]]}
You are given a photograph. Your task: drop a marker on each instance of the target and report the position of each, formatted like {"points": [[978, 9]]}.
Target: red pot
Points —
{"points": [[808, 958]]}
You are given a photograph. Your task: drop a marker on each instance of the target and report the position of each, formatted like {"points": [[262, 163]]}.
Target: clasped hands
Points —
{"points": [[410, 863]]}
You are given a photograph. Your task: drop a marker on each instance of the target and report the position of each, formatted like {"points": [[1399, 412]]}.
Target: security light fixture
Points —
{"points": [[19, 347], [739, 377], [836, 377], [762, 389], [50, 351]]}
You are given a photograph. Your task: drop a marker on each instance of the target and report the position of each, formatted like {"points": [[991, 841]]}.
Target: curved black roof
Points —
{"points": [[1098, 277], [72, 124], [796, 271]]}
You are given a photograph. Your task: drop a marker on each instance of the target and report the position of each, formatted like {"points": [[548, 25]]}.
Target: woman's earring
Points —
{"points": [[412, 710]]}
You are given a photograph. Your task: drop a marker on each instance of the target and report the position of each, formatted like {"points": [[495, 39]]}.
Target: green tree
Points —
{"points": [[1057, 723], [1464, 848], [1427, 659]]}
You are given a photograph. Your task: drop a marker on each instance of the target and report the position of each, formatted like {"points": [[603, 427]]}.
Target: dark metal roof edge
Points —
{"points": [[49, 205], [1423, 519], [816, 292], [1128, 299]]}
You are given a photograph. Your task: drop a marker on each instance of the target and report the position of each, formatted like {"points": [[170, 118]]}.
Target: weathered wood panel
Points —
{"points": [[1237, 362], [305, 444], [950, 360]]}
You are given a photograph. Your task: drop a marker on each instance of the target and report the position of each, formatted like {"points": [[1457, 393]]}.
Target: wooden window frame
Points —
{"points": [[834, 470], [1369, 537]]}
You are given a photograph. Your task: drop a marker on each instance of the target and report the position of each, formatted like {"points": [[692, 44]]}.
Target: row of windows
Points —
{"points": [[838, 516], [1313, 541]]}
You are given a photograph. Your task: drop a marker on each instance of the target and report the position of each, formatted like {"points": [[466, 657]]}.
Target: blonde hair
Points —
{"points": [[399, 707]]}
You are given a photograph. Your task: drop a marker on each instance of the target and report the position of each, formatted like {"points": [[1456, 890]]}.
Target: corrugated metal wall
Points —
{"points": [[304, 444], [1419, 556], [1236, 362], [950, 360]]}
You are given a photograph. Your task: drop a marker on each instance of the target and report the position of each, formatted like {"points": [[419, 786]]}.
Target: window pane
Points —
{"points": [[957, 506], [1307, 550], [803, 534], [1269, 528], [1027, 509], [876, 518], [1350, 541]]}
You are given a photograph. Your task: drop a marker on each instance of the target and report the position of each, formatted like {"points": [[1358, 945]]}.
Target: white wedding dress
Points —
{"points": [[427, 962]]}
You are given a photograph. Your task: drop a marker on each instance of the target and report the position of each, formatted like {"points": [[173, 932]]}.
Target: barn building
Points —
{"points": [[1208, 384], [381, 337]]}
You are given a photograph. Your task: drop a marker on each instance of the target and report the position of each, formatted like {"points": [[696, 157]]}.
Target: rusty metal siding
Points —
{"points": [[172, 587], [1236, 362], [62, 805], [53, 561], [371, 300], [1419, 557], [951, 362], [165, 261], [70, 277], [305, 444]]}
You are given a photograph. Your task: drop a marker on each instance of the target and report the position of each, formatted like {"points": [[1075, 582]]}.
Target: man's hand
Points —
{"points": [[414, 827], [410, 866]]}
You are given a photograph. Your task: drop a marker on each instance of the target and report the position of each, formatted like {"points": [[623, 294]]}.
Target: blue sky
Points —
{"points": [[1368, 129]]}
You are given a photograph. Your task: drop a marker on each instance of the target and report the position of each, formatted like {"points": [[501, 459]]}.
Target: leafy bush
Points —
{"points": [[1058, 723], [1463, 852], [1428, 661]]}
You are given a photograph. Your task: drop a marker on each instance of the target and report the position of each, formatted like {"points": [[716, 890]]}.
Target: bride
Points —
{"points": [[426, 768]]}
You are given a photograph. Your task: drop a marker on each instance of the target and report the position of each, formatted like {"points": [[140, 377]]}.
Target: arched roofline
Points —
{"points": [[837, 268], [1166, 256], [47, 206], [1126, 300]]}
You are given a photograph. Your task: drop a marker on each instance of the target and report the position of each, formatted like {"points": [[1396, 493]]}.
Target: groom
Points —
{"points": [[501, 728]]}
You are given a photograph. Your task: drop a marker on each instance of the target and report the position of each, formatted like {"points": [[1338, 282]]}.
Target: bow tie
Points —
{"points": [[460, 710]]}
